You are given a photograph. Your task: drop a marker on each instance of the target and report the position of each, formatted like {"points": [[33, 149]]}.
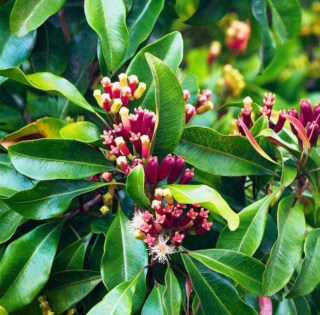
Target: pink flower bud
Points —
{"points": [[312, 132], [292, 112], [106, 100], [145, 143], [201, 100], [316, 110], [107, 86], [176, 170], [133, 81], [265, 112], [121, 132], [187, 176], [124, 114], [122, 162], [116, 89], [147, 217], [146, 123], [157, 206], [165, 167], [122, 146], [246, 116], [134, 123], [306, 114], [186, 95], [147, 229], [175, 216], [177, 239], [190, 216], [190, 111], [158, 194], [107, 176], [238, 35], [135, 139], [126, 94], [149, 240], [201, 216], [115, 150], [108, 138], [205, 227], [207, 93], [281, 120], [152, 170], [140, 112], [269, 100], [152, 126]]}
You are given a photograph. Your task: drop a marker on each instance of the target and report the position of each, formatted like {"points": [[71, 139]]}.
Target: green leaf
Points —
{"points": [[190, 82], [217, 295], [243, 269], [287, 250], [72, 257], [119, 300], [9, 221], [42, 128], [107, 18], [286, 18], [48, 199], [135, 187], [247, 238], [222, 155], [49, 83], [67, 288], [12, 181], [124, 256], [299, 306], [25, 18], [206, 197], [57, 159], [10, 56], [140, 22], [268, 48], [83, 131], [154, 305], [170, 119], [49, 53], [170, 50], [309, 276], [26, 265], [3, 311], [172, 293], [209, 12]]}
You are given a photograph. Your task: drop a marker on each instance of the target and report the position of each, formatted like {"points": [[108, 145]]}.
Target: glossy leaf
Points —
{"points": [[26, 265], [169, 49], [135, 187], [9, 221], [49, 53], [42, 128], [49, 83], [216, 294], [222, 155], [287, 250], [25, 18], [107, 18], [209, 12], [170, 119], [247, 238], [243, 269], [83, 131], [119, 300], [67, 288], [154, 304], [48, 199], [268, 48], [172, 293], [124, 256], [10, 56], [286, 18], [206, 197], [12, 181], [309, 276], [140, 22], [190, 82], [57, 159], [72, 257]]}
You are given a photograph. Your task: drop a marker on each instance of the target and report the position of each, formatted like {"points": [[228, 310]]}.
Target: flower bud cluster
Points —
{"points": [[214, 52], [231, 82], [238, 35], [171, 222], [204, 104], [120, 93], [310, 119]]}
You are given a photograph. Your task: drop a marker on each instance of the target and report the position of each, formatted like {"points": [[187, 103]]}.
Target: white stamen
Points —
{"points": [[161, 250], [136, 222]]}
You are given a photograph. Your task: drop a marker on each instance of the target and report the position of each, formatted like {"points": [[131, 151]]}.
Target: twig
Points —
{"points": [[64, 25]]}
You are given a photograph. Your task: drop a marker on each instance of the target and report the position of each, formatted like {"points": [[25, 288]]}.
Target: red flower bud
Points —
{"points": [[281, 120], [190, 111], [207, 93], [116, 89], [165, 167], [152, 170], [147, 217], [107, 86], [149, 240], [140, 113], [152, 126], [176, 170], [134, 123], [121, 132], [205, 227], [147, 229], [175, 216], [201, 100], [115, 150], [246, 116], [187, 176], [269, 100], [306, 114], [201, 216], [292, 112], [312, 132], [177, 239], [126, 94], [146, 123], [106, 100], [186, 95], [157, 206], [265, 111], [190, 216], [135, 139], [133, 81], [108, 138], [122, 146], [316, 110]]}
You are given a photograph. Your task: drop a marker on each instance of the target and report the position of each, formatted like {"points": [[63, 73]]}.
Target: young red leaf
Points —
{"points": [[301, 131]]}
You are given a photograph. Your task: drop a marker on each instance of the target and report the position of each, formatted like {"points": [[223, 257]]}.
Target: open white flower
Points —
{"points": [[136, 222], [161, 250]]}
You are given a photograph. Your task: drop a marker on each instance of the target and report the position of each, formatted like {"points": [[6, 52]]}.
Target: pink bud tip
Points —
{"points": [[187, 176], [186, 95], [147, 217], [149, 240], [116, 88], [207, 93], [177, 239], [190, 111]]}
